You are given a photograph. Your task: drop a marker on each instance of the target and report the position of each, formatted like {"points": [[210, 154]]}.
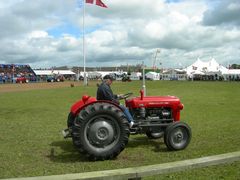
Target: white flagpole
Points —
{"points": [[143, 79], [84, 53]]}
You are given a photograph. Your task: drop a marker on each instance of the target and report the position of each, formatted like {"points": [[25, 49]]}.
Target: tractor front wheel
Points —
{"points": [[177, 136]]}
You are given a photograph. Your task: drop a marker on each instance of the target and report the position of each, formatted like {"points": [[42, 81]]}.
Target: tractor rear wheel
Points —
{"points": [[70, 123], [70, 120], [177, 136], [100, 131]]}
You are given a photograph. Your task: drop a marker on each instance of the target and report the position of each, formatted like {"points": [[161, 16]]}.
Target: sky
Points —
{"points": [[47, 33]]}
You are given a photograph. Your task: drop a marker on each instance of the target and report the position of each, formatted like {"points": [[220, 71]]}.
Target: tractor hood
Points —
{"points": [[154, 102]]}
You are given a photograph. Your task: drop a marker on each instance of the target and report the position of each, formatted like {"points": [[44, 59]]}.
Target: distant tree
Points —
{"points": [[235, 66]]}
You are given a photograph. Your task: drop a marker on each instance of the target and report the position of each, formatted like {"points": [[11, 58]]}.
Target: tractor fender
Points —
{"points": [[86, 101]]}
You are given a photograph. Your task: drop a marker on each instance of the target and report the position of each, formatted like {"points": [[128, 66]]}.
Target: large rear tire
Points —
{"points": [[177, 136], [100, 131], [70, 123], [70, 120]]}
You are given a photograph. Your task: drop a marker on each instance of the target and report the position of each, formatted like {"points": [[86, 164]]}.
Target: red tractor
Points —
{"points": [[100, 130]]}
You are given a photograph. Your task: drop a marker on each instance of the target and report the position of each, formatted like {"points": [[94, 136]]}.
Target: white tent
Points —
{"points": [[94, 75], [101, 74], [53, 72], [173, 74], [135, 75], [197, 72], [205, 68], [213, 66], [232, 74], [152, 76]]}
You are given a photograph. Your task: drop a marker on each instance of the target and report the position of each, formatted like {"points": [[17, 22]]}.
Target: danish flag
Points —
{"points": [[97, 2]]}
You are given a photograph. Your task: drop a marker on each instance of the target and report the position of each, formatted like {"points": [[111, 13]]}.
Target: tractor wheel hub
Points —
{"points": [[101, 133]]}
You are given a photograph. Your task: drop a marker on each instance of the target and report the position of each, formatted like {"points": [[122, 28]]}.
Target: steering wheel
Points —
{"points": [[125, 96]]}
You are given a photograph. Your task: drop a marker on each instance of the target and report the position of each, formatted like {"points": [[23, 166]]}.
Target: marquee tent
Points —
{"points": [[152, 76], [135, 75], [53, 72], [232, 74], [211, 67]]}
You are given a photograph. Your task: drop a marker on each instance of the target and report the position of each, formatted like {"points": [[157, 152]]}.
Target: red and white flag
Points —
{"points": [[90, 1], [97, 2]]}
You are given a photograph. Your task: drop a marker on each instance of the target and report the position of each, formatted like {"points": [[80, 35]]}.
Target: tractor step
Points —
{"points": [[66, 133]]}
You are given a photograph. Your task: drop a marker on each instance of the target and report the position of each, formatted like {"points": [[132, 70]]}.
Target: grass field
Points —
{"points": [[31, 121]]}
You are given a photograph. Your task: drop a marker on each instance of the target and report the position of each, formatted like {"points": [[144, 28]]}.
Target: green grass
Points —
{"points": [[31, 122], [223, 171]]}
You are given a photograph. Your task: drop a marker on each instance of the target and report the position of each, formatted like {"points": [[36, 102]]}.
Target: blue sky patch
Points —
{"points": [[173, 1], [68, 28]]}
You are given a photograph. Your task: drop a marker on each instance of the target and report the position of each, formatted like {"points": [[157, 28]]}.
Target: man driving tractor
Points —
{"points": [[104, 92]]}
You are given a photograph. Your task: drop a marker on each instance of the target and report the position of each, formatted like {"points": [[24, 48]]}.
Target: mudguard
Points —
{"points": [[85, 101]]}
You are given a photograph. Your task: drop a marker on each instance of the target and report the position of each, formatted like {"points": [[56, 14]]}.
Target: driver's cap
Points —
{"points": [[108, 77]]}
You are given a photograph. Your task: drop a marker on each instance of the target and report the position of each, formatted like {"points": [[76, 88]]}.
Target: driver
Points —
{"points": [[104, 92]]}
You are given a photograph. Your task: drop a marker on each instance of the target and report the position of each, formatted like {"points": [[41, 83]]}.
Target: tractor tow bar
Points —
{"points": [[67, 133]]}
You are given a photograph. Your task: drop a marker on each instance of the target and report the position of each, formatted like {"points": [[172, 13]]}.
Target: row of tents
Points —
{"points": [[211, 68], [199, 70]]}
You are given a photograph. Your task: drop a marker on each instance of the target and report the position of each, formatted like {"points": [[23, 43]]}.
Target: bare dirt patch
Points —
{"points": [[31, 86]]}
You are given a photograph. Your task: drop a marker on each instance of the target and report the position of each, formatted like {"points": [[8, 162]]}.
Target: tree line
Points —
{"points": [[235, 66]]}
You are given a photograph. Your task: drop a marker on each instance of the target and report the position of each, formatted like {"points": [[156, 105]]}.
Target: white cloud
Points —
{"points": [[233, 6], [223, 13], [124, 33], [155, 30], [38, 34]]}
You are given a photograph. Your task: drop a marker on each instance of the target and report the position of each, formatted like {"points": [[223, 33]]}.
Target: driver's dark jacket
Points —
{"points": [[104, 92]]}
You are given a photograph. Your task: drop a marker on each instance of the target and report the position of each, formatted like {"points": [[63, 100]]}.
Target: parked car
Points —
{"points": [[51, 79], [31, 78], [55, 79], [21, 80]]}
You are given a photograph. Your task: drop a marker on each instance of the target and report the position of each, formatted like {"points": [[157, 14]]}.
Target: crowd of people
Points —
{"points": [[215, 78], [9, 73]]}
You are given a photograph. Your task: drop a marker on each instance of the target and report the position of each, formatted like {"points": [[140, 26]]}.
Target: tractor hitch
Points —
{"points": [[67, 133]]}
